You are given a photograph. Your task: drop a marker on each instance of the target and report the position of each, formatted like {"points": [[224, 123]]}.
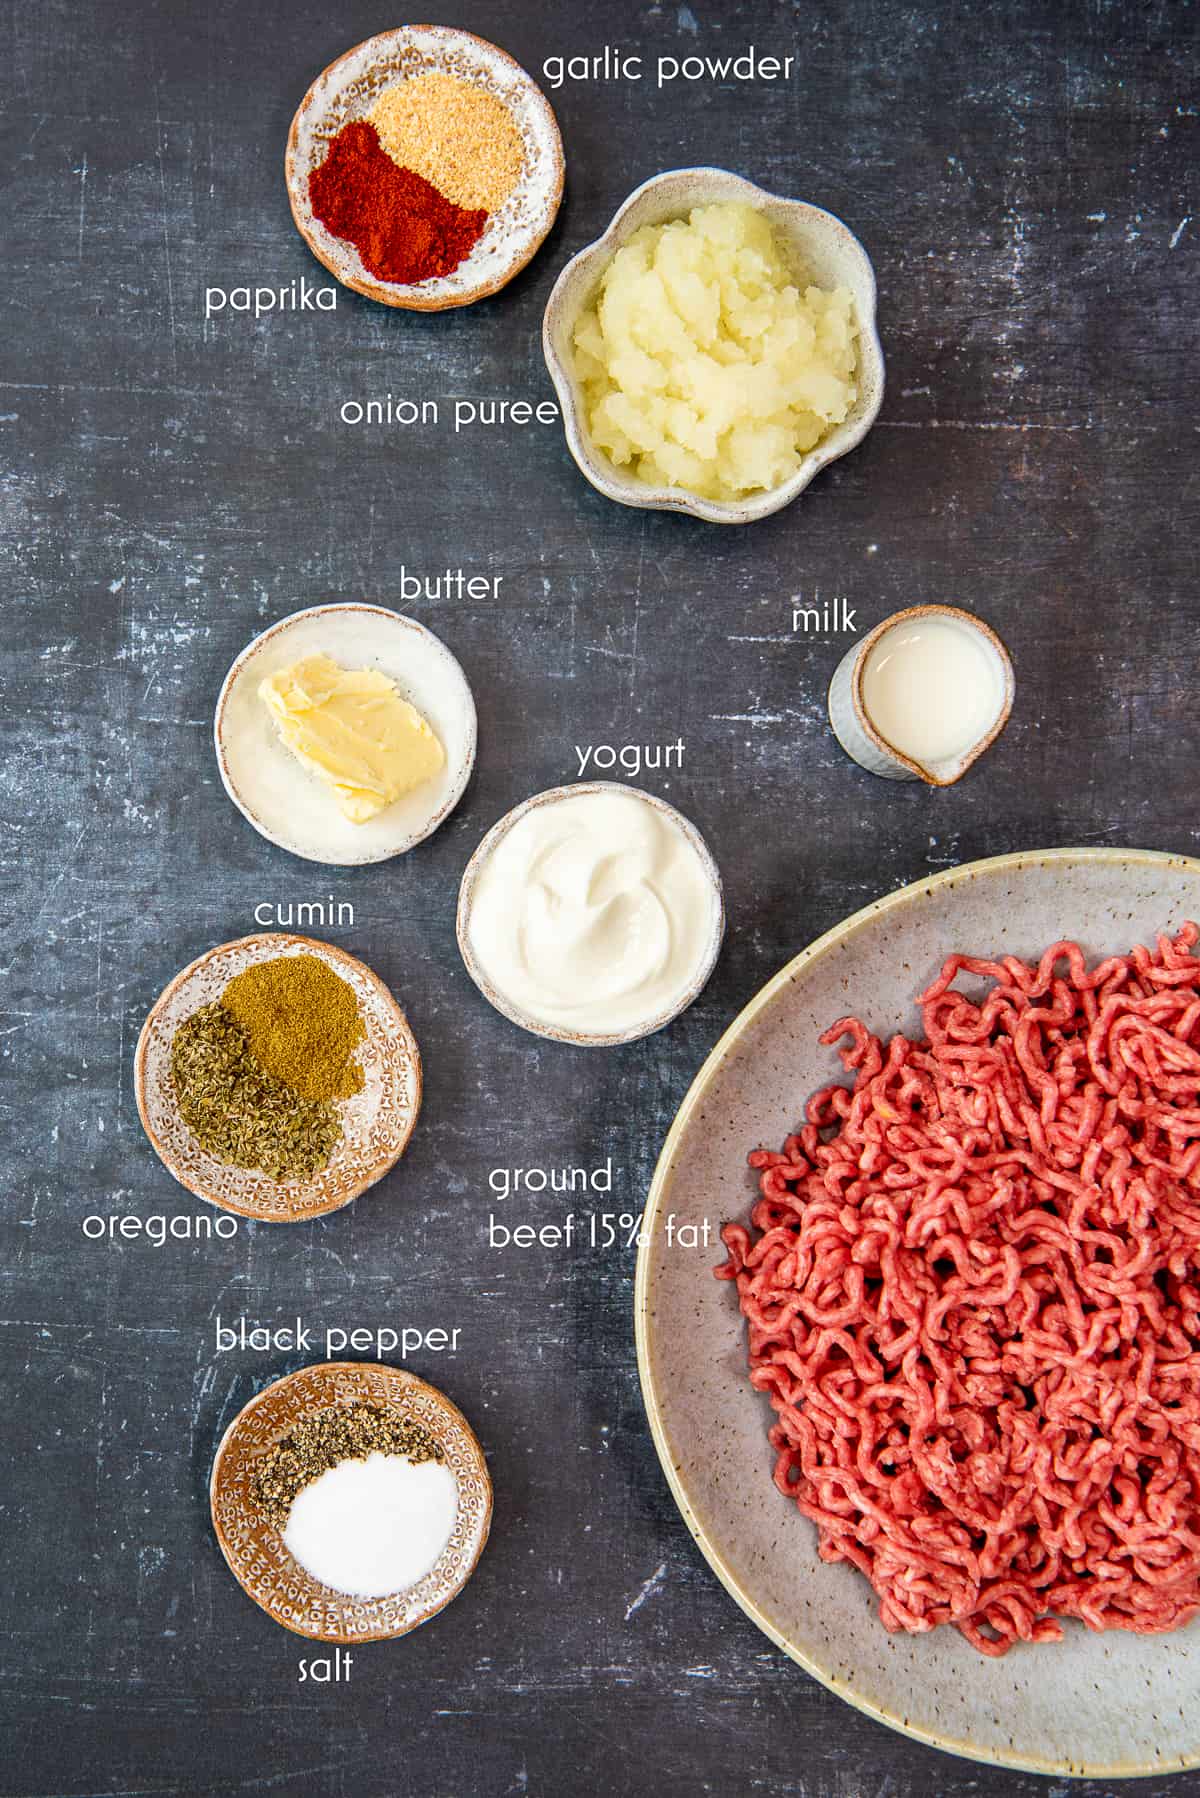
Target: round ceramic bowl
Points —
{"points": [[257, 1555], [855, 730], [823, 248], [291, 807], [579, 1038], [377, 1122], [348, 89], [1095, 1705]]}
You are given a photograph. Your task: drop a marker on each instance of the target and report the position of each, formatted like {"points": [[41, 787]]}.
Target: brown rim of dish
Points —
{"points": [[377, 1168], [412, 298], [404, 1382], [584, 1039], [263, 638], [968, 757]]}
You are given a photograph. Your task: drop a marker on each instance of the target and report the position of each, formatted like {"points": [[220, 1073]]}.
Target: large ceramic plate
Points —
{"points": [[1104, 1705]]}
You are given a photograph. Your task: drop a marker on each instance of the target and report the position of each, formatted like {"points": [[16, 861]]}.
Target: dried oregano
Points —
{"points": [[237, 1111], [348, 1433]]}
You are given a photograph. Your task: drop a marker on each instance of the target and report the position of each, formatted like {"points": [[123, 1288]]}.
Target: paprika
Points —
{"points": [[404, 230]]}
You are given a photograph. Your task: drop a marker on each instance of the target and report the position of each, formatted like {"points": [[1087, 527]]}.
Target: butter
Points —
{"points": [[350, 727]]}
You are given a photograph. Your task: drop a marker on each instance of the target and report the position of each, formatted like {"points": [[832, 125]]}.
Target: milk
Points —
{"points": [[932, 687]]}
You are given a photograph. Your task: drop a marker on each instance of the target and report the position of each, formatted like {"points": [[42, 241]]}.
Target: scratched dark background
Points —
{"points": [[1020, 174]]}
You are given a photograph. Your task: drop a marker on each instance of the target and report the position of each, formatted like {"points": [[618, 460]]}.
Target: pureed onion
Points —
{"points": [[706, 364]]}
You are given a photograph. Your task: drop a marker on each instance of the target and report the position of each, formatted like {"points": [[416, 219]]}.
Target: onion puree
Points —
{"points": [[594, 912]]}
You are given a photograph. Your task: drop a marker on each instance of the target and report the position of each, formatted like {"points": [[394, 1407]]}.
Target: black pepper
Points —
{"points": [[348, 1433]]}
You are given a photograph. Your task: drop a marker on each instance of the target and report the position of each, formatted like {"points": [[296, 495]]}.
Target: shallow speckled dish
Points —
{"points": [[293, 808], [254, 1548], [824, 249], [348, 89], [377, 1122], [578, 1038], [1105, 1706]]}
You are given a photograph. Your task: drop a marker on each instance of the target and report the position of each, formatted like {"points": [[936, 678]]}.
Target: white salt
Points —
{"points": [[369, 1528]]}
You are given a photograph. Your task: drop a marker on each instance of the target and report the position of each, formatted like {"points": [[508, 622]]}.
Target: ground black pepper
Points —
{"points": [[348, 1433]]}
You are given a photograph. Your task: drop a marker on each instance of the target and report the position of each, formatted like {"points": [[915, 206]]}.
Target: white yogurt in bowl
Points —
{"points": [[592, 914]]}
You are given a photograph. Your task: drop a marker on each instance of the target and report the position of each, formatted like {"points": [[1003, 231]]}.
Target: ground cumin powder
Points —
{"points": [[301, 1023]]}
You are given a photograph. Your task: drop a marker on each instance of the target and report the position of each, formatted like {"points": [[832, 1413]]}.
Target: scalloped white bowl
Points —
{"points": [[822, 246]]}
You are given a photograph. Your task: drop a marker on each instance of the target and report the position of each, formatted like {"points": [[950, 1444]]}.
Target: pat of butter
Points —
{"points": [[350, 727]]}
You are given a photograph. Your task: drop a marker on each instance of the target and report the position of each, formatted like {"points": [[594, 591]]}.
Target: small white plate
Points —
{"points": [[291, 807]]}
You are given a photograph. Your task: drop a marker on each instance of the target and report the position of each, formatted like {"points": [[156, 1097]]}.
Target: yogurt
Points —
{"points": [[592, 912]]}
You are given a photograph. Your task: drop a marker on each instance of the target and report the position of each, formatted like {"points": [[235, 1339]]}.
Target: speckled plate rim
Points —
{"points": [[580, 1039], [422, 296], [406, 1380], [286, 940], [258, 643], [594, 465], [642, 1293]]}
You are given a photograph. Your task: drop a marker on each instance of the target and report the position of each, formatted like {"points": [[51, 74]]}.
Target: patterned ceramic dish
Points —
{"points": [[348, 89], [822, 246], [377, 1122], [1096, 1705], [254, 1548], [293, 808], [582, 1039]]}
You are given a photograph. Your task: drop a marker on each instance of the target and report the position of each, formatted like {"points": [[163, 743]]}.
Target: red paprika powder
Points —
{"points": [[403, 229]]}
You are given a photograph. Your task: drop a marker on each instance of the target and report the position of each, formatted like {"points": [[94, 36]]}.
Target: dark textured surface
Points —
{"points": [[1020, 176]]}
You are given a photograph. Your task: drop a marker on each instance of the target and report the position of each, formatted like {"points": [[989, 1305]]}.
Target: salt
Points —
{"points": [[374, 1527]]}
